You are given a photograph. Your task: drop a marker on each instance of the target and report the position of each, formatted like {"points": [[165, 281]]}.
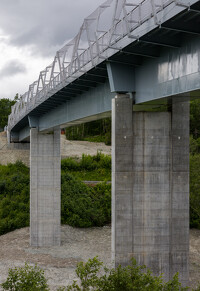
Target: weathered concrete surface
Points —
{"points": [[150, 172], [45, 184]]}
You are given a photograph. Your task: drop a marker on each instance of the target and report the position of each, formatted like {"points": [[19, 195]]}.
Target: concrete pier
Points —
{"points": [[150, 187], [45, 186]]}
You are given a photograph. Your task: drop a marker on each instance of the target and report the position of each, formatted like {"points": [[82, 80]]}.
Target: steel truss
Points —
{"points": [[100, 36]]}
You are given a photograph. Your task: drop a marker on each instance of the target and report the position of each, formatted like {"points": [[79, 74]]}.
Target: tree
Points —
{"points": [[195, 118], [5, 110]]}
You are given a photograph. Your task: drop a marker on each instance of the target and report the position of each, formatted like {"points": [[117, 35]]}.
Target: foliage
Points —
{"points": [[194, 118], [14, 197], [97, 131], [90, 168], [195, 191], [84, 206], [87, 162], [26, 278], [100, 174], [194, 145], [195, 127], [5, 110], [94, 276], [81, 205]]}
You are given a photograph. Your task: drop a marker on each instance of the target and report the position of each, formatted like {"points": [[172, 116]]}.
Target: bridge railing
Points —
{"points": [[98, 36]]}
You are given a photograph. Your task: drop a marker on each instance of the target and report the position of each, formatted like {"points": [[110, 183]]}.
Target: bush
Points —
{"points": [[25, 278], [94, 276], [70, 164], [14, 197], [195, 191], [129, 278], [194, 118], [90, 168], [88, 163], [194, 145], [84, 206]]}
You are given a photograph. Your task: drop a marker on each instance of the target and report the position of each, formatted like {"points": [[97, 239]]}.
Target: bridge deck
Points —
{"points": [[144, 36]]}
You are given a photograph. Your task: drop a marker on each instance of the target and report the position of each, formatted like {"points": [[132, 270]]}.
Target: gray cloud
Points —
{"points": [[45, 25], [11, 68]]}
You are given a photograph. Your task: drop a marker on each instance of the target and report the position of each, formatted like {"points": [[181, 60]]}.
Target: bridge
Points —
{"points": [[140, 61]]}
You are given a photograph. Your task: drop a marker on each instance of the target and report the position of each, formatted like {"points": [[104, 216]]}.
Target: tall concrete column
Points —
{"points": [[45, 186], [150, 187]]}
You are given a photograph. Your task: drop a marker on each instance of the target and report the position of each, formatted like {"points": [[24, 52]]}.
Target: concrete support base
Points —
{"points": [[45, 188], [150, 187]]}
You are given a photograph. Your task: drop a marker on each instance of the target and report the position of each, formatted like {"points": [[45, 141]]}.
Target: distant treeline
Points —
{"points": [[5, 110], [96, 131]]}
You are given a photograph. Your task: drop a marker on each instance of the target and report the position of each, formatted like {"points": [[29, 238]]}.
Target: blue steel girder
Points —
{"points": [[165, 59]]}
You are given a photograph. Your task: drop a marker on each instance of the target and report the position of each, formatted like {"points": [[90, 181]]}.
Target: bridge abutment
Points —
{"points": [[45, 186], [150, 187]]}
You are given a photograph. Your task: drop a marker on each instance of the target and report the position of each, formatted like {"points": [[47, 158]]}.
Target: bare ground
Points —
{"points": [[59, 263], [68, 149], [77, 245]]}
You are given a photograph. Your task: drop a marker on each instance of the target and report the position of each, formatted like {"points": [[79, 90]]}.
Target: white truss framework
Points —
{"points": [[107, 30]]}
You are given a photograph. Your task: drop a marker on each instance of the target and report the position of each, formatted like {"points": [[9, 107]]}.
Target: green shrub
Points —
{"points": [[195, 191], [25, 278], [90, 168], [107, 138], [194, 118], [93, 276], [14, 197], [84, 206], [88, 163], [70, 164], [194, 145]]}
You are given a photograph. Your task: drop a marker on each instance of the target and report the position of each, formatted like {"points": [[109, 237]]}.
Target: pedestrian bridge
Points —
{"points": [[143, 57], [119, 45]]}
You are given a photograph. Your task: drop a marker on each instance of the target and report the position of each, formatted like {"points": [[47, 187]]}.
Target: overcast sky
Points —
{"points": [[31, 31]]}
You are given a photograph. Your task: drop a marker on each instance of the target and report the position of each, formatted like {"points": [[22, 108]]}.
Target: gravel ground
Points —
{"points": [[68, 149], [77, 245], [59, 263]]}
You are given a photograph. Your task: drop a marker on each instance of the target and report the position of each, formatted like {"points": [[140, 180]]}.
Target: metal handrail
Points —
{"points": [[127, 16]]}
